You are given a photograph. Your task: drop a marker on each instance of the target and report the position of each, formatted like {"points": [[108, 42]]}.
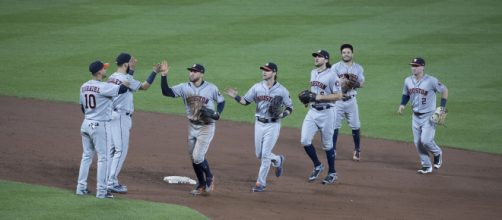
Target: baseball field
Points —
{"points": [[46, 47]]}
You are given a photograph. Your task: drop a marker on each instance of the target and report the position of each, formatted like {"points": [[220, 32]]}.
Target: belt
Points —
{"points": [[420, 113], [321, 107], [126, 113], [198, 122], [267, 120]]}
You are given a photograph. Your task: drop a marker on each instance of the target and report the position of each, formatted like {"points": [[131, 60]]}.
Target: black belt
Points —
{"points": [[266, 120], [321, 107], [420, 113], [199, 122]]}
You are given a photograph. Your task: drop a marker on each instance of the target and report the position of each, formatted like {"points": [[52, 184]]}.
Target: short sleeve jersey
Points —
{"points": [[207, 92], [124, 102], [96, 98], [262, 95], [422, 93], [341, 68], [324, 83]]}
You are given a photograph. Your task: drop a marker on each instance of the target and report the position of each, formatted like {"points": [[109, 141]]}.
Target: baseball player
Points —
{"points": [[267, 127], [321, 115], [348, 108], [96, 102], [421, 89], [197, 92], [123, 108]]}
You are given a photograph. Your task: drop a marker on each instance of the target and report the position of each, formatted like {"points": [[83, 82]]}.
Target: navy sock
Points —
{"points": [[199, 172], [205, 167], [312, 154], [357, 139], [335, 138], [330, 154]]}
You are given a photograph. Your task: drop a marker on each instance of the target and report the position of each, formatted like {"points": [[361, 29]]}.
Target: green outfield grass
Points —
{"points": [[26, 201], [47, 46]]}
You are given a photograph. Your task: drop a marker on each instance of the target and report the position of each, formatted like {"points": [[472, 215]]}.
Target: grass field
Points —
{"points": [[26, 201], [47, 46]]}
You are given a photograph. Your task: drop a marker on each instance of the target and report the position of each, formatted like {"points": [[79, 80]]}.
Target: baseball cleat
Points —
{"points": [[108, 195], [425, 170], [83, 192], [118, 189], [210, 184], [258, 188], [280, 168], [357, 156], [198, 190], [315, 173], [330, 178], [438, 161]]}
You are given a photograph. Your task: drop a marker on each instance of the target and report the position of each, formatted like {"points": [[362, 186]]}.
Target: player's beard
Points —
{"points": [[194, 79], [347, 59]]}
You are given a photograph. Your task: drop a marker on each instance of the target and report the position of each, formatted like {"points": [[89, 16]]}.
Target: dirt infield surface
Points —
{"points": [[40, 144]]}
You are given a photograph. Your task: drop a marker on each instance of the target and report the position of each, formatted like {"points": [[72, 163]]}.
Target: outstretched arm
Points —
{"points": [[166, 90], [232, 92]]}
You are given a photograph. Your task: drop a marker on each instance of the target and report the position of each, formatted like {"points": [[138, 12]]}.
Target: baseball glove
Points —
{"points": [[439, 116], [276, 107], [195, 104], [306, 97], [209, 113], [350, 82]]}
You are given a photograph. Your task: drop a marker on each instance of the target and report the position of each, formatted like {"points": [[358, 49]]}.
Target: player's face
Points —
{"points": [[194, 76], [267, 75], [319, 61], [417, 69], [347, 55]]}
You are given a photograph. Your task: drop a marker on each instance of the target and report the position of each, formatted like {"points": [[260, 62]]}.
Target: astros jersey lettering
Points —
{"points": [[207, 92], [96, 97], [262, 95], [422, 93], [124, 102]]}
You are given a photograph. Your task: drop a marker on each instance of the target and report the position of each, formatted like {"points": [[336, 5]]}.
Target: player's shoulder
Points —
{"points": [[211, 85], [431, 77]]}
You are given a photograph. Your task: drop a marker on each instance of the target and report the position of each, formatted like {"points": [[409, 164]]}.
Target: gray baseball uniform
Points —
{"points": [[199, 134], [348, 109], [423, 101], [267, 129], [96, 99], [123, 107], [321, 116]]}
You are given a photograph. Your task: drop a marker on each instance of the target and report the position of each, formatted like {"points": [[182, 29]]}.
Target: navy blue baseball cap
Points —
{"points": [[96, 66], [197, 68], [123, 58], [418, 61], [269, 67], [321, 53]]}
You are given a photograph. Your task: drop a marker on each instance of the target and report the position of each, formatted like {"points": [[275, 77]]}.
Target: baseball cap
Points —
{"points": [[197, 68], [418, 61], [322, 53], [269, 67], [97, 65], [123, 58]]}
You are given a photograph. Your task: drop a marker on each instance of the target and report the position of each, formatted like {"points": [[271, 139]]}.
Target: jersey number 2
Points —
{"points": [[90, 101], [424, 101]]}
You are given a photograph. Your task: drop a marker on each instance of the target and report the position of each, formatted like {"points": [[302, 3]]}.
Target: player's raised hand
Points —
{"points": [[132, 63], [232, 92], [164, 68], [400, 109]]}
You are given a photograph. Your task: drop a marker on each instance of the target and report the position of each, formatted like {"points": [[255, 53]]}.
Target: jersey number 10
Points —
{"points": [[90, 101]]}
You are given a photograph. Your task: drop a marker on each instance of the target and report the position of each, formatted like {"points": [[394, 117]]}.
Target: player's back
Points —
{"points": [[124, 102], [96, 99]]}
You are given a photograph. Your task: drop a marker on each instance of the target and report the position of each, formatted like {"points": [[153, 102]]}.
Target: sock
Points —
{"points": [[330, 155], [312, 154], [205, 167], [335, 138], [357, 139], [199, 172]]}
